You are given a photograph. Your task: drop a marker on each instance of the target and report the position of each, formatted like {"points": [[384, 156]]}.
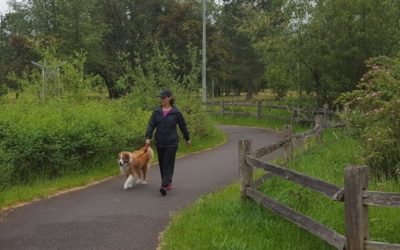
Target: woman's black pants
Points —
{"points": [[166, 161]]}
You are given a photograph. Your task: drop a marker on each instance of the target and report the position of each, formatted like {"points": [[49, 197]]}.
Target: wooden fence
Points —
{"points": [[293, 114], [354, 194], [228, 108]]}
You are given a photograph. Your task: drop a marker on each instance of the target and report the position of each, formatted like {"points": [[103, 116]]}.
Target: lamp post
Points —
{"points": [[204, 74]]}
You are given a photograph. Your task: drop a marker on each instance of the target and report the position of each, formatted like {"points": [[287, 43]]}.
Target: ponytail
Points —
{"points": [[172, 101]]}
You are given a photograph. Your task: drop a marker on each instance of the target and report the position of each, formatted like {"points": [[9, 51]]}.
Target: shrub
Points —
{"points": [[63, 77], [306, 101], [47, 140], [3, 90], [5, 169], [373, 114]]}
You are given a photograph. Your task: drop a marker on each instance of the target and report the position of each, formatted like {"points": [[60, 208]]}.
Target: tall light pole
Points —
{"points": [[203, 73]]}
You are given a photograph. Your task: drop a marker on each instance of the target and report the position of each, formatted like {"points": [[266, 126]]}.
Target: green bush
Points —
{"points": [[3, 90], [47, 140], [373, 114], [306, 101], [5, 169]]}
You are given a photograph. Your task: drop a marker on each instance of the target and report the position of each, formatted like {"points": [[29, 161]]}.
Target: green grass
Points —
{"points": [[222, 221], [42, 188], [254, 122]]}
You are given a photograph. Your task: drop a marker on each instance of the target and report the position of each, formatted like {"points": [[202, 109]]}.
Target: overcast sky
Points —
{"points": [[3, 6]]}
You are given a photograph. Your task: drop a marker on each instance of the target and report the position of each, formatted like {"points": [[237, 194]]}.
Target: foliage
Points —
{"points": [[277, 82], [334, 38], [62, 77], [242, 65], [373, 114], [305, 101], [3, 90], [313, 46], [48, 140], [318, 46]]}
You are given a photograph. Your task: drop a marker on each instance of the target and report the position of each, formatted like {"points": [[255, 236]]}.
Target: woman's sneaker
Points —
{"points": [[163, 191], [169, 186]]}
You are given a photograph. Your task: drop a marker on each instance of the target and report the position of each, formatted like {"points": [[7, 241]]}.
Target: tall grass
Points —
{"points": [[222, 221], [47, 140]]}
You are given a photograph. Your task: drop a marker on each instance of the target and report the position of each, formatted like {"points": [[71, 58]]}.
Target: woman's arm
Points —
{"points": [[151, 126], [183, 127]]}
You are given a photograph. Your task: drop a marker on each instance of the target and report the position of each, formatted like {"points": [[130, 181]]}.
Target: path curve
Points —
{"points": [[104, 216]]}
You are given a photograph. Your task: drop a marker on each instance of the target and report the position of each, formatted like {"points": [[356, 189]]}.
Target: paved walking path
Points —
{"points": [[104, 216]]}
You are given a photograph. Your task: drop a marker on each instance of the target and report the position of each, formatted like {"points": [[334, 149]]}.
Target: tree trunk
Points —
{"points": [[250, 90], [318, 86]]}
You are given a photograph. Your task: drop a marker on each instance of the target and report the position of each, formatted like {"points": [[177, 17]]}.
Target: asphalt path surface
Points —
{"points": [[104, 216]]}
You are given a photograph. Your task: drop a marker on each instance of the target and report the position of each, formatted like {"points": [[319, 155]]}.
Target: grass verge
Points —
{"points": [[222, 221], [254, 122], [42, 188]]}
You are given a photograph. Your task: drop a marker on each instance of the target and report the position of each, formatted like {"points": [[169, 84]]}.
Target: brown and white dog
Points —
{"points": [[135, 164]]}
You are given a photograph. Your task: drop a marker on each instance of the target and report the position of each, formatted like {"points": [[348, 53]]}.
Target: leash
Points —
{"points": [[146, 147]]}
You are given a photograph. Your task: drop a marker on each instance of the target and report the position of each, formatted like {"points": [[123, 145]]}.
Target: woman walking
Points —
{"points": [[164, 120]]}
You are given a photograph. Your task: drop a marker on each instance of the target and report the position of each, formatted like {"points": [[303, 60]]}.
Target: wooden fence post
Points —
{"points": [[318, 126], [288, 134], [245, 171], [326, 116], [356, 214], [259, 109], [222, 107], [294, 115]]}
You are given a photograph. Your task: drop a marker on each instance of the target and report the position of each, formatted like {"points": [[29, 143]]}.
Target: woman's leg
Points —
{"points": [[168, 165], [161, 156]]}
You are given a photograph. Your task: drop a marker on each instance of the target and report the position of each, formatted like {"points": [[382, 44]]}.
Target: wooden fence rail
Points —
{"points": [[320, 186], [299, 219], [258, 105], [294, 114], [354, 194]]}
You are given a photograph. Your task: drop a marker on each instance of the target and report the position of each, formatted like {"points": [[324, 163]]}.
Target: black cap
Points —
{"points": [[165, 93]]}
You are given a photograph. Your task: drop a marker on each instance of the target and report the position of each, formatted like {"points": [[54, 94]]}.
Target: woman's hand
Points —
{"points": [[189, 143], [147, 141]]}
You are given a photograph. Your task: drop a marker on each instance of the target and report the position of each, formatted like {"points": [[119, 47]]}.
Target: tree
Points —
{"points": [[334, 38], [265, 23], [244, 64]]}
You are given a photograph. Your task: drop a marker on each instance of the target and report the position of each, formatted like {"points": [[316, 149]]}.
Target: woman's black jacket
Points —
{"points": [[166, 134]]}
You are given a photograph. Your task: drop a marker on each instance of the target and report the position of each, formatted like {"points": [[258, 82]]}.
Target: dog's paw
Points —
{"points": [[144, 182], [126, 187], [138, 181]]}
